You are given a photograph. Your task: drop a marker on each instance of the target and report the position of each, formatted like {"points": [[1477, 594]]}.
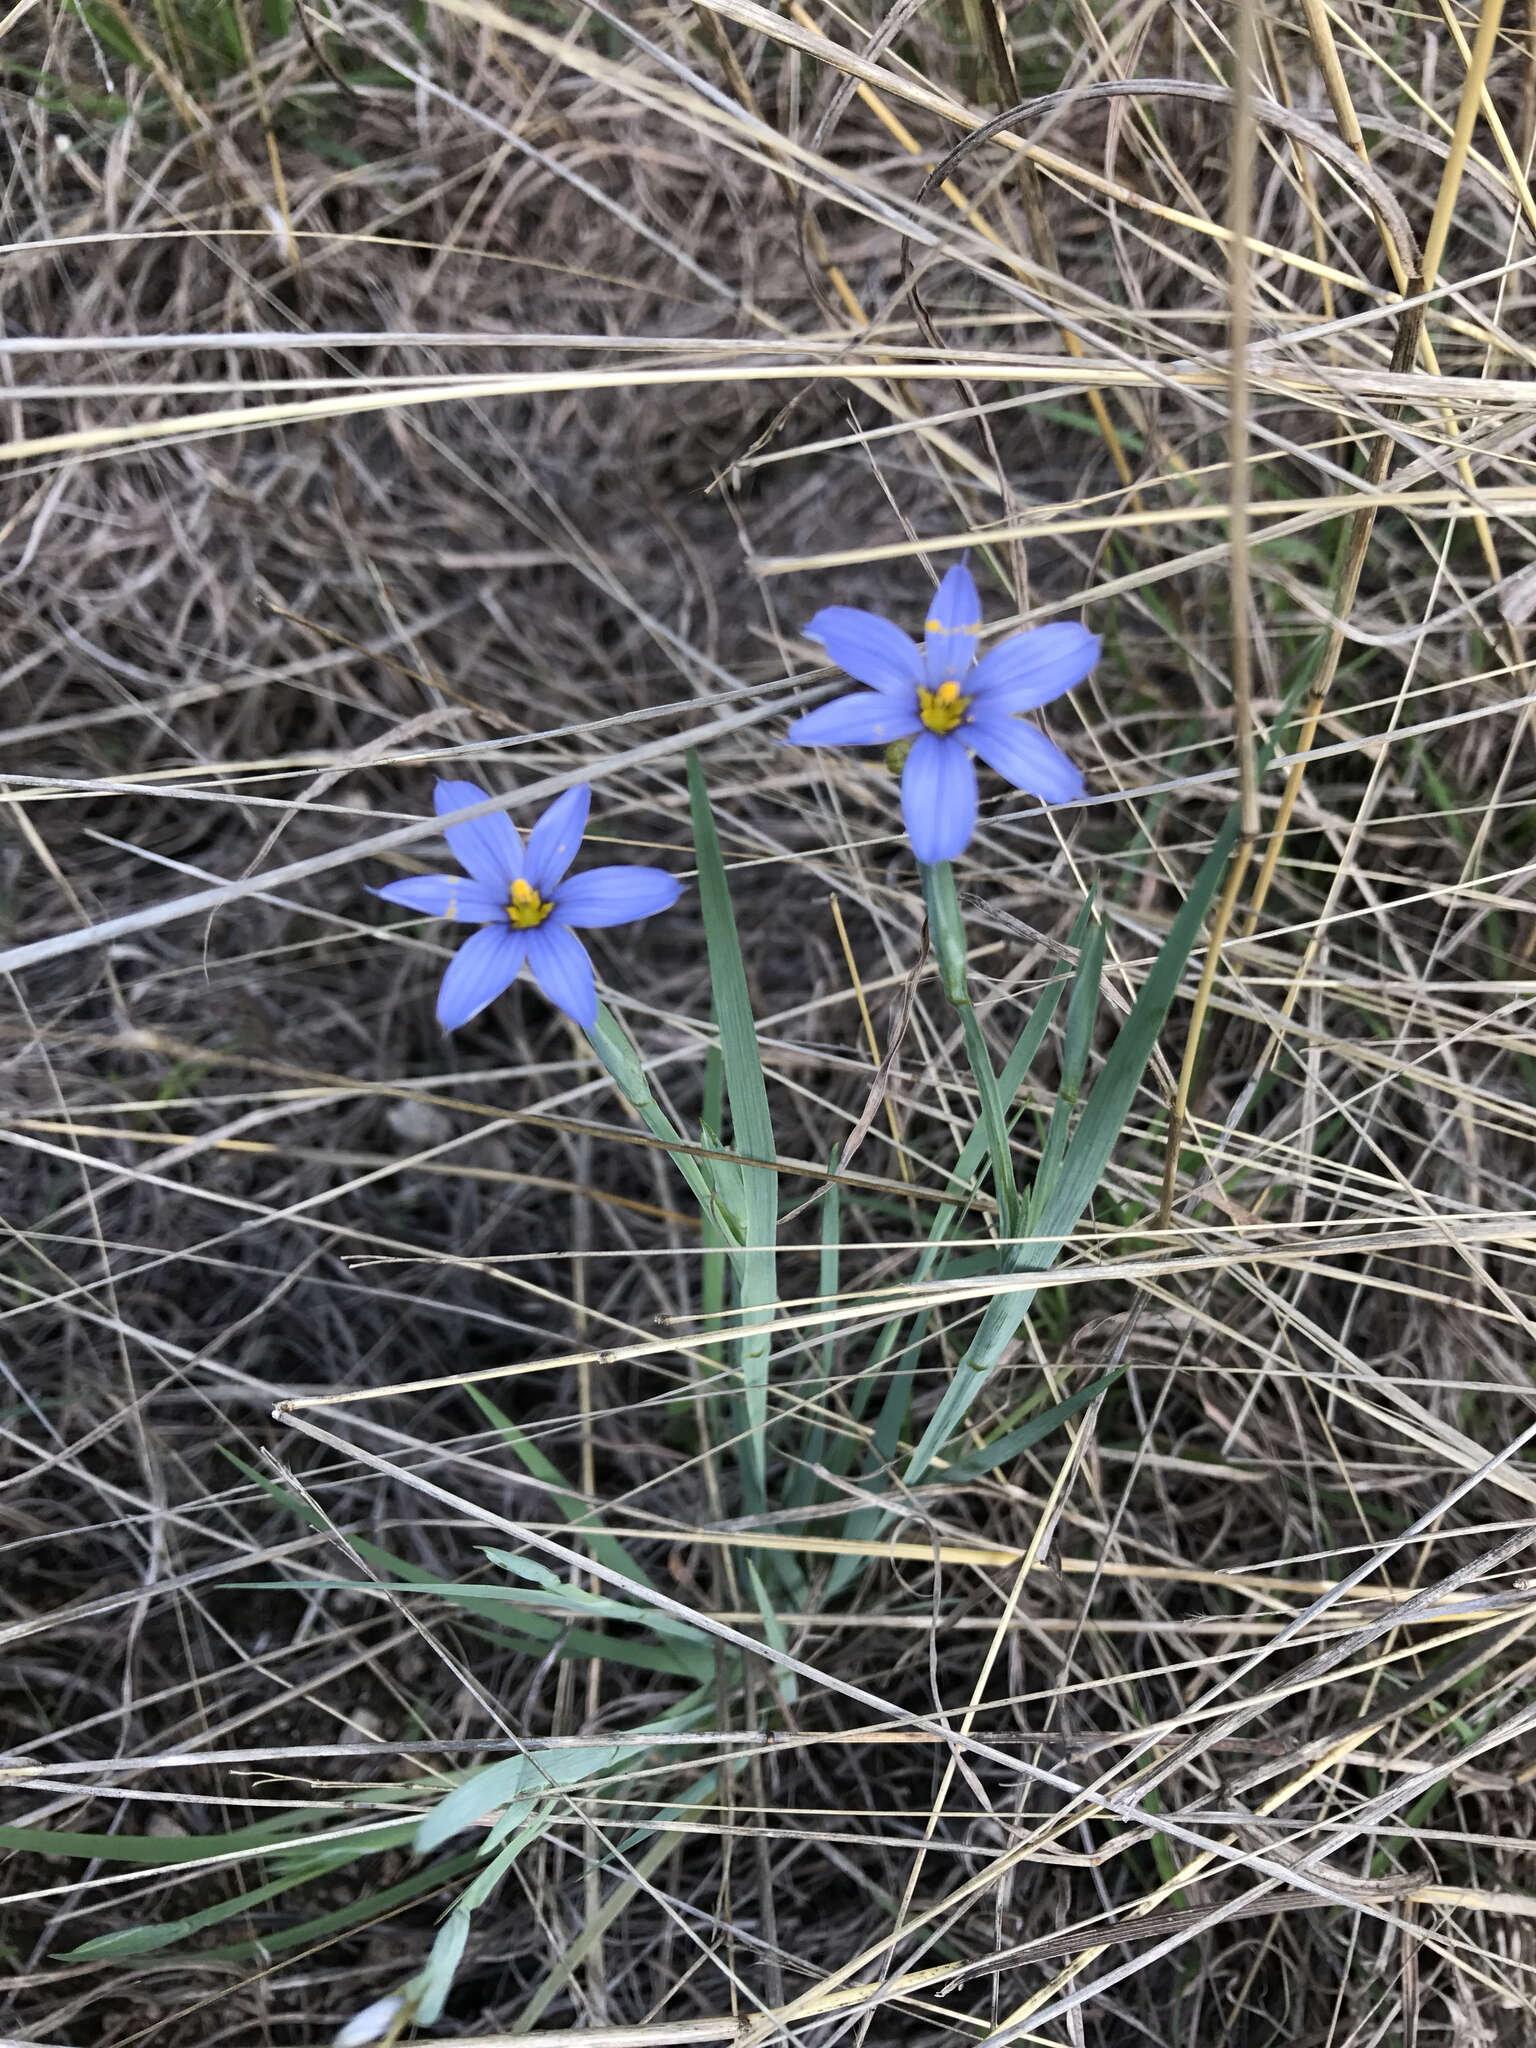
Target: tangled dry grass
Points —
{"points": [[502, 386]]}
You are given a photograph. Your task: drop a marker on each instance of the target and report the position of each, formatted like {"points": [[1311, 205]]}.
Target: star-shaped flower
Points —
{"points": [[527, 904], [950, 706]]}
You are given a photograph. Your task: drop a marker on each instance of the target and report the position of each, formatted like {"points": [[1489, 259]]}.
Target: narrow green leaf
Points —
{"points": [[1087, 1155], [109, 31], [801, 1490], [945, 1222], [948, 933], [558, 1593], [784, 1683], [863, 1522], [144, 1941], [491, 1604], [262, 1838], [633, 1880], [745, 1087], [486, 1603], [990, 1456], [476, 1894], [1083, 1004], [517, 1783], [1115, 1090], [614, 1048], [365, 1910], [1082, 1014], [606, 1549], [435, 1980], [751, 1127]]}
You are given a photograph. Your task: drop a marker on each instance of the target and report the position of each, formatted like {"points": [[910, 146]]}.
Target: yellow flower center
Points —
{"points": [[526, 907], [941, 710]]}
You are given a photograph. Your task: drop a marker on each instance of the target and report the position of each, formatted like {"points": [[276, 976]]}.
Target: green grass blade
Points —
{"points": [[635, 1879], [752, 1132], [1082, 1014], [488, 1604], [436, 1978], [801, 1490], [712, 1264], [613, 1047], [147, 1941], [784, 1683], [977, 1463], [261, 1838], [606, 1549], [947, 929], [863, 1521], [1086, 1157], [1083, 1002], [518, 1783], [364, 1911]]}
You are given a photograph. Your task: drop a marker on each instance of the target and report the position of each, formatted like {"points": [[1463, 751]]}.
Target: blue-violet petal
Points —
{"points": [[868, 648], [605, 896], [954, 624], [488, 848], [1028, 670], [938, 798], [558, 962], [867, 719], [460, 897], [553, 841], [1025, 758], [482, 969]]}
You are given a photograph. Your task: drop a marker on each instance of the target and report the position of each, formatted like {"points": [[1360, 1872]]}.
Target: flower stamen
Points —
{"points": [[943, 709], [526, 907]]}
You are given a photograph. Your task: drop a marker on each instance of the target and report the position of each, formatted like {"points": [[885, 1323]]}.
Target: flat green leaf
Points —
{"points": [[475, 1895], [1083, 1002], [752, 1131], [365, 1910], [1086, 1157], [558, 1593], [612, 1044], [863, 1521], [947, 928], [784, 1683], [802, 1485], [606, 1549], [435, 1980], [1082, 1014], [262, 1838], [145, 1941], [518, 1783], [990, 1456]]}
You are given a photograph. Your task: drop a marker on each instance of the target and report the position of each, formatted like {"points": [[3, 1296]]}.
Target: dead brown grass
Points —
{"points": [[468, 522]]}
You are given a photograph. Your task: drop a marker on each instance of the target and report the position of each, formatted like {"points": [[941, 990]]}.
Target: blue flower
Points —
{"points": [[950, 706], [526, 903]]}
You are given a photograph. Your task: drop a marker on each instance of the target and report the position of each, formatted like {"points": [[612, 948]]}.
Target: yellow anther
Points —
{"points": [[525, 906], [943, 709]]}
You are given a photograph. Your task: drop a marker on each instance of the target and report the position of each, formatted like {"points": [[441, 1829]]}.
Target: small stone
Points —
{"points": [[418, 1123]]}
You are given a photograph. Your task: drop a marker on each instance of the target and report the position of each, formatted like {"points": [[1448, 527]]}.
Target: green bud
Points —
{"points": [[896, 755]]}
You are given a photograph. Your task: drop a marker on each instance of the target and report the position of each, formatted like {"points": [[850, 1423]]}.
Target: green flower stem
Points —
{"points": [[616, 1050], [948, 933], [1086, 1155]]}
